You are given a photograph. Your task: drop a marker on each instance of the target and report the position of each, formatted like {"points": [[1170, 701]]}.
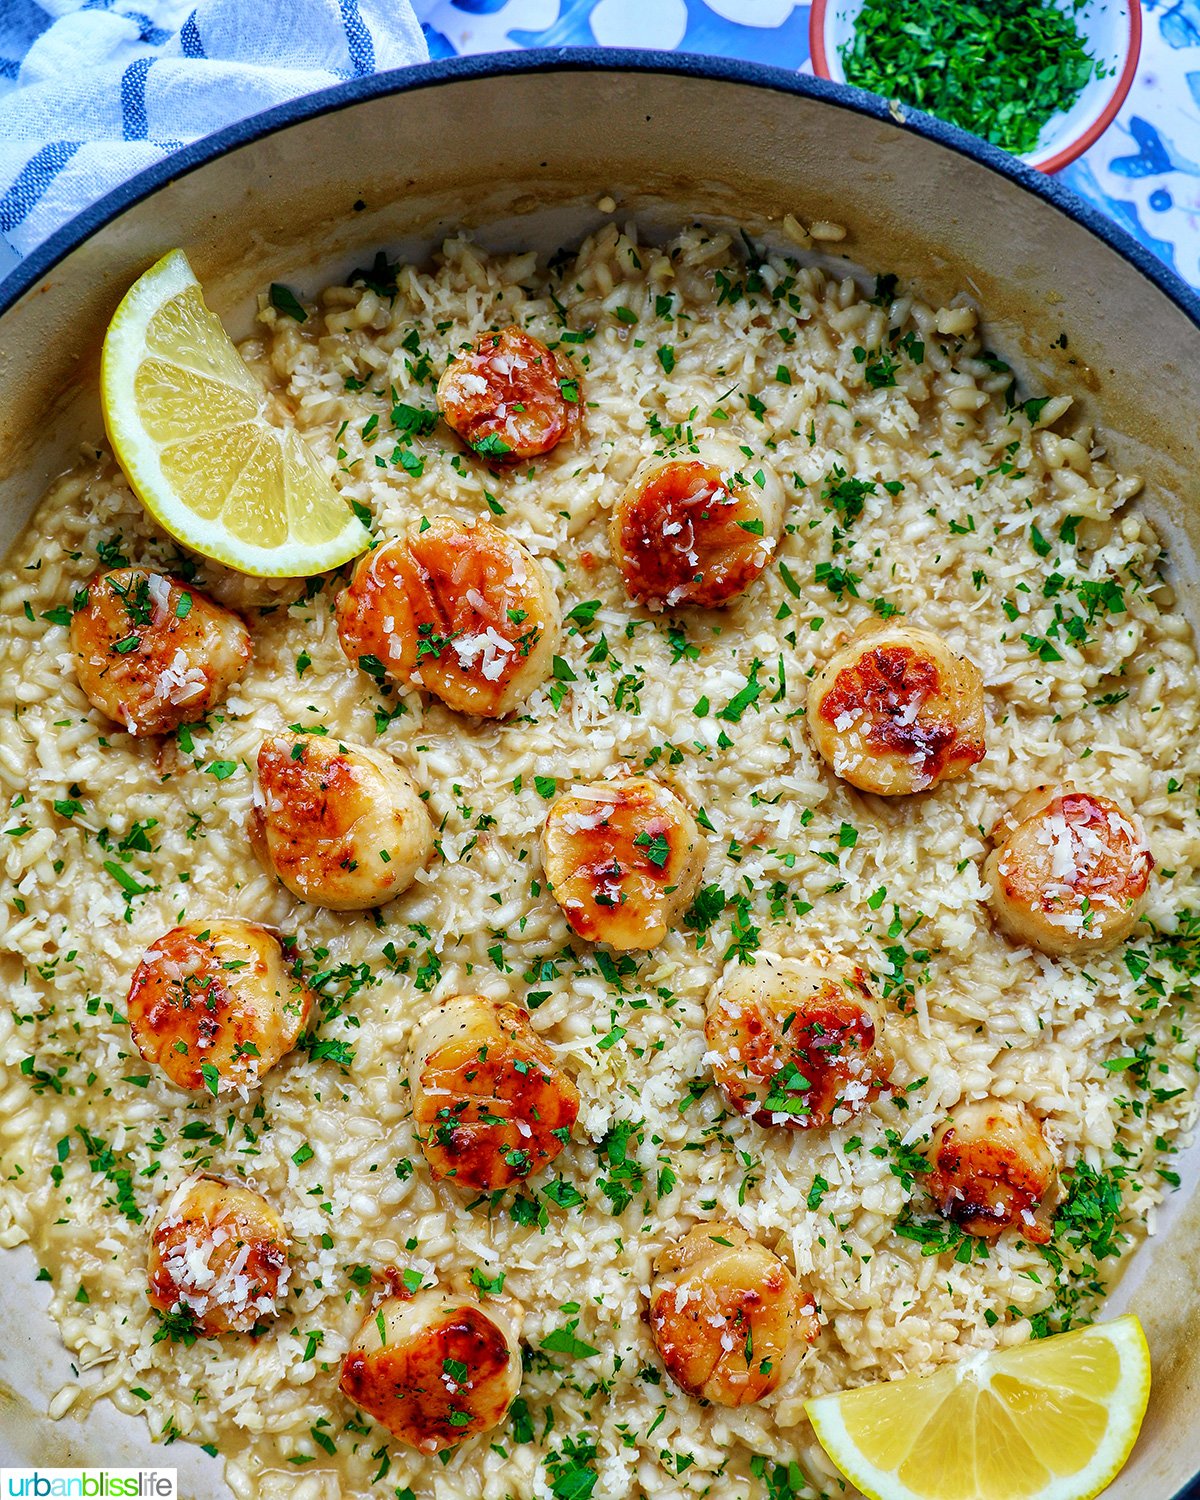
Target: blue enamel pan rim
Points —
{"points": [[35, 266]]}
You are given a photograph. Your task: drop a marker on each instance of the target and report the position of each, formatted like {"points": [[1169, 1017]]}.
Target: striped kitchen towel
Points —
{"points": [[92, 91]]}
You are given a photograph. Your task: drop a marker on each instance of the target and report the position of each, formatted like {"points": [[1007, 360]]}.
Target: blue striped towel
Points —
{"points": [[92, 91]]}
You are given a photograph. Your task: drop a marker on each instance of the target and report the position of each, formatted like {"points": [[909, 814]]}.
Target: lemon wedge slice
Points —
{"points": [[1053, 1419], [187, 423]]}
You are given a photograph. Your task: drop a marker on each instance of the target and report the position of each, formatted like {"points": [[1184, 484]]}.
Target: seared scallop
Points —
{"points": [[153, 652], [216, 1004], [1070, 871], [490, 1103], [510, 397], [341, 825], [623, 859], [220, 1251], [698, 528], [461, 610], [728, 1318], [896, 711], [436, 1368], [797, 1042], [993, 1170]]}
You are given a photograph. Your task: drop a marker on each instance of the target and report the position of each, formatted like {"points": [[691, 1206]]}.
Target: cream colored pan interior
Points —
{"points": [[523, 156]]}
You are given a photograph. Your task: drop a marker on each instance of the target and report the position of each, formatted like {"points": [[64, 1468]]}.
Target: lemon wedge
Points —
{"points": [[187, 423], [1053, 1419]]}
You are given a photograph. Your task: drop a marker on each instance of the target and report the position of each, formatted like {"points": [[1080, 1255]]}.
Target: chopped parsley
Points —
{"points": [[285, 301], [1000, 70]]}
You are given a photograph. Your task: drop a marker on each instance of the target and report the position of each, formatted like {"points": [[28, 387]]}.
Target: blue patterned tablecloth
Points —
{"points": [[1144, 172]]}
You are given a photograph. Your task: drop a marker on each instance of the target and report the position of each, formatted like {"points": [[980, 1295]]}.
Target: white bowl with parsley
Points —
{"points": [[1042, 79]]}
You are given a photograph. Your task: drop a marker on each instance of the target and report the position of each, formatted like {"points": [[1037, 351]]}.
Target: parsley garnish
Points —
{"points": [[284, 299], [658, 850], [999, 70], [741, 701], [416, 421], [564, 1341], [379, 277]]}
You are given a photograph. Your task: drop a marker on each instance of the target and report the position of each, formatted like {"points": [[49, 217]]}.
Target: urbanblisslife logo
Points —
{"points": [[89, 1484]]}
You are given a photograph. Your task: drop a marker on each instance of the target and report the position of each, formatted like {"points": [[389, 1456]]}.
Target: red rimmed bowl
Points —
{"points": [[1112, 33]]}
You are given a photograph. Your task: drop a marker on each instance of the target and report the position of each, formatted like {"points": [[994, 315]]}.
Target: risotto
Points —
{"points": [[922, 489]]}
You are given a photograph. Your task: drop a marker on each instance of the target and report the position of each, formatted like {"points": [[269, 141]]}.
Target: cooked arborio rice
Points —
{"points": [[981, 519]]}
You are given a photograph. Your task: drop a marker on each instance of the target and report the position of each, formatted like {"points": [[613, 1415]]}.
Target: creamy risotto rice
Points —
{"points": [[920, 486]]}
